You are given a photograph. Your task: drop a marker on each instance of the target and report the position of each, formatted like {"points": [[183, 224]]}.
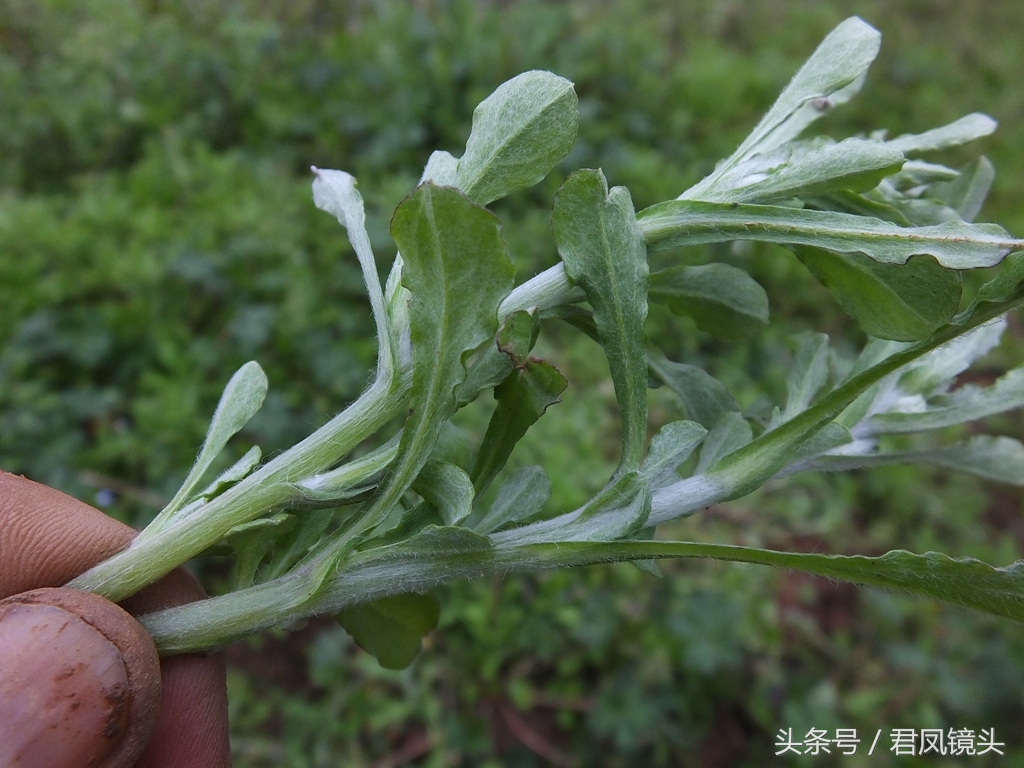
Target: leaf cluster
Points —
{"points": [[887, 233]]}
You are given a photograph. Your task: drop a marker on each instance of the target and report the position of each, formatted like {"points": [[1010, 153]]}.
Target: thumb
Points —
{"points": [[79, 682]]}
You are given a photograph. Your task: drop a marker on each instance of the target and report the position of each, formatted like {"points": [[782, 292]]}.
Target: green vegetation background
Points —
{"points": [[157, 230]]}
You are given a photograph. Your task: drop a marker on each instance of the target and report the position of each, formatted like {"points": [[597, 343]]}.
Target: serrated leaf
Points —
{"points": [[900, 302], [807, 374], [603, 252], [961, 581], [954, 244], [241, 398], [532, 387], [967, 128], [335, 192], [670, 447], [520, 497], [519, 133], [731, 433], [968, 403], [722, 300], [391, 629], [448, 488], [836, 67], [705, 399]]}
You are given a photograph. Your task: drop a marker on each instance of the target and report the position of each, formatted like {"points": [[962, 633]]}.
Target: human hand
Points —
{"points": [[80, 682]]}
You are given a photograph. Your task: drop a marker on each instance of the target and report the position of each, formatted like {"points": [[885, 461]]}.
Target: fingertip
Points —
{"points": [[79, 680]]}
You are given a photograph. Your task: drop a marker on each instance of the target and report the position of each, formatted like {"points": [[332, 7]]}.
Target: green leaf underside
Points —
{"points": [[954, 244], [967, 128], [994, 458], [671, 447], [233, 474], [731, 433], [962, 581], [335, 192], [968, 403], [854, 164], [890, 301], [967, 193], [754, 464], [448, 488], [722, 300], [609, 519], [705, 399], [519, 498], [808, 373], [241, 398], [447, 243], [523, 397], [390, 629], [603, 252], [519, 133], [836, 65]]}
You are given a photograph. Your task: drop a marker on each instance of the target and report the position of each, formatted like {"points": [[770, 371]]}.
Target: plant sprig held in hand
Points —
{"points": [[366, 539]]}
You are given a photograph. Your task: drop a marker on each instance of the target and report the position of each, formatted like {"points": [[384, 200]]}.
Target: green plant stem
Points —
{"points": [[150, 557], [215, 622]]}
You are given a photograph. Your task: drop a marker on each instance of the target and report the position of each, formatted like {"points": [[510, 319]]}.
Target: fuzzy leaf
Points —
{"points": [[961, 581], [335, 192], [967, 128], [519, 133], [852, 164], [670, 447], [722, 300], [241, 398], [447, 243], [968, 192], [753, 465], [936, 371], [808, 373], [968, 403], [993, 458], [233, 474], [531, 388], [391, 628], [836, 67], [442, 169], [448, 488], [610, 522], [437, 540], [954, 244], [705, 399], [520, 497], [890, 301], [731, 433], [603, 252]]}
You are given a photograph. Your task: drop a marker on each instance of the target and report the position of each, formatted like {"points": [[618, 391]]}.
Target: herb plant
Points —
{"points": [[315, 531]]}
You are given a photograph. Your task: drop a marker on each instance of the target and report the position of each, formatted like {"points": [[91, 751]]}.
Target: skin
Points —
{"points": [[48, 538]]}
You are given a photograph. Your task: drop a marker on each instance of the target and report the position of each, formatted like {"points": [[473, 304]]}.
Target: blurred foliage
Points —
{"points": [[157, 230]]}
